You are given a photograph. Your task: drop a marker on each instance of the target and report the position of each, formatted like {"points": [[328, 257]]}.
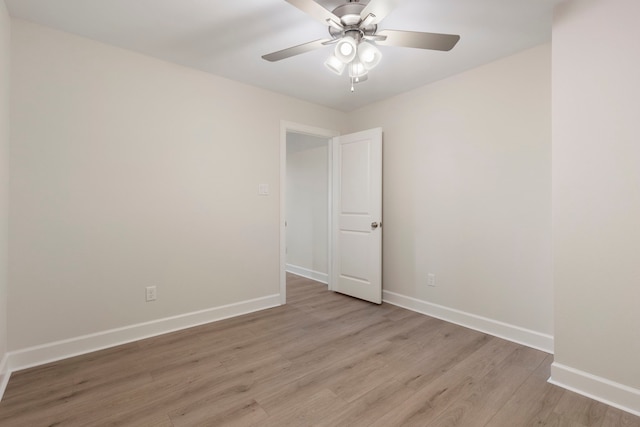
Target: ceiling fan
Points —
{"points": [[353, 28]]}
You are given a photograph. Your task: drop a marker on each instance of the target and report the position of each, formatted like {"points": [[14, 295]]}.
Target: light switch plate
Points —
{"points": [[431, 280], [263, 189]]}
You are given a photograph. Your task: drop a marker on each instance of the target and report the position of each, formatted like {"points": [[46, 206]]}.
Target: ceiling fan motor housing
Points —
{"points": [[350, 19]]}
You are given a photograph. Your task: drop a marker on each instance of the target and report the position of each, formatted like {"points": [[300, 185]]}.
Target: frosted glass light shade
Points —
{"points": [[357, 69], [335, 65], [346, 49], [360, 79], [369, 55]]}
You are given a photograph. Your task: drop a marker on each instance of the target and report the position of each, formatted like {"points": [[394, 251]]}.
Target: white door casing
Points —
{"points": [[357, 215]]}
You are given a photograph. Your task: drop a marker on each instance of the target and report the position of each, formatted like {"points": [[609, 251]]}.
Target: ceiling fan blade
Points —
{"points": [[433, 41], [318, 12], [379, 9], [295, 50], [375, 38]]}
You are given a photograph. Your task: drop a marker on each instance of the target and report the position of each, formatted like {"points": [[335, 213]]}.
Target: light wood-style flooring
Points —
{"points": [[324, 359]]}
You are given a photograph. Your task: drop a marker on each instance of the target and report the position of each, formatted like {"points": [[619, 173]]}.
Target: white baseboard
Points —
{"points": [[309, 274], [496, 328], [51, 352], [4, 374], [601, 389]]}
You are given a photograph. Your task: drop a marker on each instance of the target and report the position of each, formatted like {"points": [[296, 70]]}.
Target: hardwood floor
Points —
{"points": [[323, 359]]}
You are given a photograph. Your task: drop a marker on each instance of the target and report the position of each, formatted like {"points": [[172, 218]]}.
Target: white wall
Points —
{"points": [[5, 25], [596, 197], [129, 172], [307, 205], [467, 195]]}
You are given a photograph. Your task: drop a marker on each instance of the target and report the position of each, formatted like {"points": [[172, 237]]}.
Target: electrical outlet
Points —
{"points": [[150, 293], [431, 280]]}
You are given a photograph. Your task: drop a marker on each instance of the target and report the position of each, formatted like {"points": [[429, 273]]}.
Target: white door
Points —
{"points": [[357, 215]]}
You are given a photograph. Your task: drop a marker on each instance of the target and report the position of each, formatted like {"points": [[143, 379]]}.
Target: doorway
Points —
{"points": [[305, 205]]}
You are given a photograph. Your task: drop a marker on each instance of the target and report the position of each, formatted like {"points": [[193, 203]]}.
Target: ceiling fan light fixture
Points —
{"points": [[335, 65], [369, 55], [357, 70], [361, 78], [346, 49], [353, 27]]}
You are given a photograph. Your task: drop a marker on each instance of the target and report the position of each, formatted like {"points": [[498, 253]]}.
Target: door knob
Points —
{"points": [[374, 225]]}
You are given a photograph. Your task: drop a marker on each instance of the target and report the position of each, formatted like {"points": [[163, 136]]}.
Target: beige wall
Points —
{"points": [[110, 196], [129, 172], [596, 190], [5, 25], [307, 204], [467, 191]]}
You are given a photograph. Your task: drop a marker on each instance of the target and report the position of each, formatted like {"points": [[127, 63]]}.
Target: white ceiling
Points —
{"points": [[228, 38]]}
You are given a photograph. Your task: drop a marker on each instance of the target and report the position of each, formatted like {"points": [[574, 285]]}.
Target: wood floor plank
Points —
{"points": [[309, 412], [531, 412], [581, 409], [616, 417], [239, 414], [341, 370], [476, 406], [445, 352], [428, 402], [324, 359], [370, 407], [557, 420]]}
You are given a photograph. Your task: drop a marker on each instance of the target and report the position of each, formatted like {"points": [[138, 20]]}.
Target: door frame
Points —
{"points": [[286, 127]]}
